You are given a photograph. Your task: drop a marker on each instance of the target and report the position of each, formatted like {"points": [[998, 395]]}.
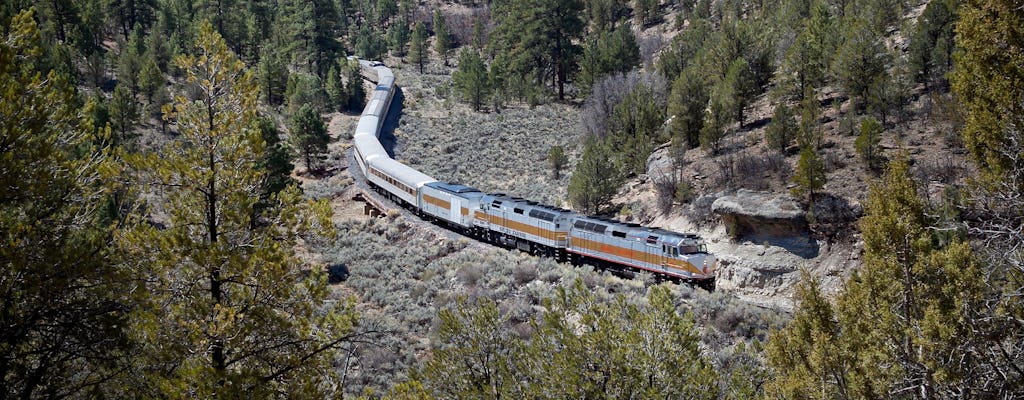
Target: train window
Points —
{"points": [[579, 225], [534, 214], [619, 234], [518, 210], [599, 228]]}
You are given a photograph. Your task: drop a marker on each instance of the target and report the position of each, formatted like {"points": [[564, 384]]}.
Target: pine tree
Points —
{"points": [[336, 94], [124, 114], [356, 94], [418, 47], [594, 181], [868, 143], [809, 176], [606, 53], [859, 60], [309, 136], [782, 130], [537, 40], [442, 38], [557, 160], [65, 296], [686, 105], [234, 311], [471, 79]]}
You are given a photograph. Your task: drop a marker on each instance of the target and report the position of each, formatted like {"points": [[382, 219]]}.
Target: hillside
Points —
{"points": [[180, 215]]}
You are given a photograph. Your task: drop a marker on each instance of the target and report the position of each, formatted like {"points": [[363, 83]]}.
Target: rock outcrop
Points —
{"points": [[760, 217]]}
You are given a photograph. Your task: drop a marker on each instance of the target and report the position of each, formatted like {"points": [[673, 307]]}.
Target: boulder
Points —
{"points": [[761, 217]]}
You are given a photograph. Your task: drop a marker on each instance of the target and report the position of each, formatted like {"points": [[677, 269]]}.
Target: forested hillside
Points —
{"points": [[171, 172]]}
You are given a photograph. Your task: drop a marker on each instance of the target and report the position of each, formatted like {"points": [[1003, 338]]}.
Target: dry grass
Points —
{"points": [[502, 151]]}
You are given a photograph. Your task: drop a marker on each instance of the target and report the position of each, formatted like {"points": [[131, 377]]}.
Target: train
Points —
{"points": [[518, 223]]}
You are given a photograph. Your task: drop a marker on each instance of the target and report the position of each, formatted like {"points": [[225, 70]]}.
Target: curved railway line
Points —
{"points": [[514, 222]]}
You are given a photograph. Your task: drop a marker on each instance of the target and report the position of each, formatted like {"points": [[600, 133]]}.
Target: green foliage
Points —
{"points": [[686, 104], [370, 43], [634, 128], [685, 50], [809, 176], [308, 135], [418, 47], [277, 160], [337, 96], [594, 181], [472, 79], [272, 72], [580, 347], [124, 114], [442, 38], [912, 306], [931, 45], [809, 134], [608, 52], [647, 12], [720, 113], [398, 38], [537, 40], [986, 79], [807, 59], [65, 295], [744, 88], [868, 143], [807, 356], [859, 60], [354, 91], [557, 160], [304, 89], [235, 311], [782, 130]]}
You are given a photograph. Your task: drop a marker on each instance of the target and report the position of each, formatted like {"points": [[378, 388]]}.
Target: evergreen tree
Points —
{"points": [[354, 88], [648, 12], [277, 160], [606, 53], [930, 52], [594, 181], [809, 176], [810, 130], [418, 47], [740, 76], [557, 160], [538, 40], [398, 38], [471, 79], [686, 105], [868, 143], [442, 38], [124, 114], [810, 360], [336, 94], [985, 80], [234, 311], [273, 74], [309, 136], [634, 127], [859, 60], [65, 296], [719, 114], [782, 130]]}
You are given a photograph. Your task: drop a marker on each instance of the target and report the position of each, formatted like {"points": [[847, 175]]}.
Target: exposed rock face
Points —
{"points": [[766, 218]]}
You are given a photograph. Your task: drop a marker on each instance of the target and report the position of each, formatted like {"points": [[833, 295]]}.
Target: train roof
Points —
{"points": [[403, 173], [452, 187], [604, 225]]}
